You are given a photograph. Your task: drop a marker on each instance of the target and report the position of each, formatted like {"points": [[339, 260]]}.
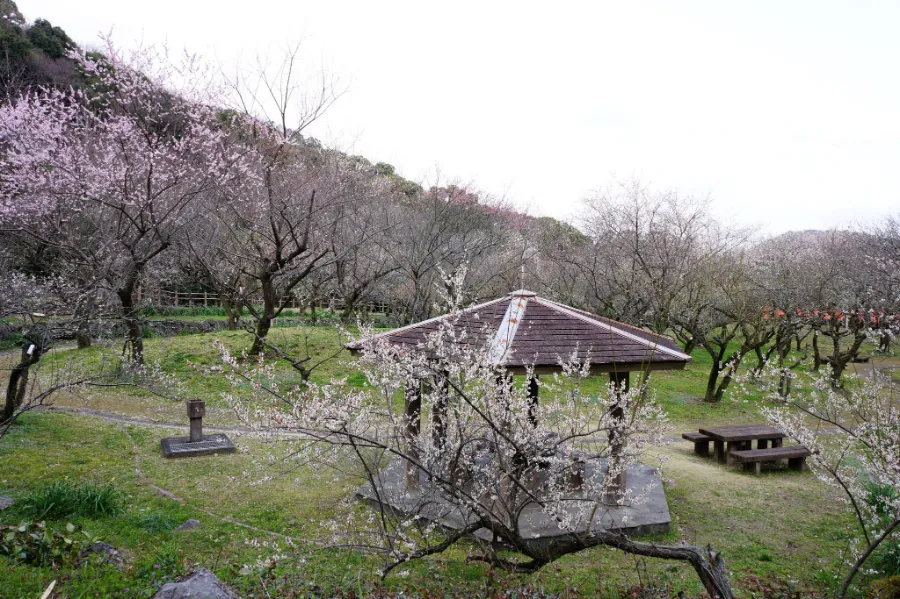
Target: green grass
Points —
{"points": [[173, 311], [63, 499], [762, 525], [778, 526]]}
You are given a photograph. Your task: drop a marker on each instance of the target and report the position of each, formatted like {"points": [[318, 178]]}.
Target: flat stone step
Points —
{"points": [[772, 453]]}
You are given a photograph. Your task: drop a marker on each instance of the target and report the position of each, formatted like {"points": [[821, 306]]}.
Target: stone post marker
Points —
{"points": [[196, 409], [197, 443]]}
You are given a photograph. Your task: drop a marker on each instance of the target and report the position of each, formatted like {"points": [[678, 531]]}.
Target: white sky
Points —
{"points": [[786, 114]]}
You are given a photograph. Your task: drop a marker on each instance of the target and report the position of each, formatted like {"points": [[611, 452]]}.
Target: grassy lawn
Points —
{"points": [[780, 526]]}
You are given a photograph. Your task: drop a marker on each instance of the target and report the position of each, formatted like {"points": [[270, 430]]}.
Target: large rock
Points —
{"points": [[202, 584], [107, 554], [189, 524], [6, 501]]}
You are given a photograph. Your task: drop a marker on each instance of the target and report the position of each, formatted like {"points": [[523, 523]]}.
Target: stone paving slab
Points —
{"points": [[182, 447], [646, 517]]}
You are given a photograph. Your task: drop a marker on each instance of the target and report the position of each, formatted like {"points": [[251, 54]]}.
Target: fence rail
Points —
{"points": [[205, 299]]}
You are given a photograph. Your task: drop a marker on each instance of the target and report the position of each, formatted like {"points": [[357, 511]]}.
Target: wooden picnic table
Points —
{"points": [[740, 437]]}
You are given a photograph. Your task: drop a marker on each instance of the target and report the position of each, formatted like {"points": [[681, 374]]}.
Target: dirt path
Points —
{"points": [[239, 430], [876, 364], [141, 421]]}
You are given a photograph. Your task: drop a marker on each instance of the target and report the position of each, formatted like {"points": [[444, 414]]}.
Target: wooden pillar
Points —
{"points": [[533, 391], [412, 416], [439, 409], [616, 485], [196, 409]]}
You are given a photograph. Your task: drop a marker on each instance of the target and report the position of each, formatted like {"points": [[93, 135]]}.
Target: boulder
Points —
{"points": [[189, 524], [202, 584], [106, 553]]}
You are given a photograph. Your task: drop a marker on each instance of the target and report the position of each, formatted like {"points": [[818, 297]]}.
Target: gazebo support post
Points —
{"points": [[614, 493], [533, 391], [413, 413], [439, 409]]}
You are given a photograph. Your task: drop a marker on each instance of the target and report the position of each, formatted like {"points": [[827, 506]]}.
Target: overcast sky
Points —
{"points": [[786, 113]]}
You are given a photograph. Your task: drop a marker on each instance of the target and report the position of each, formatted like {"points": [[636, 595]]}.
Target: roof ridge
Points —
{"points": [[509, 326], [611, 328]]}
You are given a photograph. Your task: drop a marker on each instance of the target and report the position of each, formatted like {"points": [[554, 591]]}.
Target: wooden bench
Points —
{"points": [[700, 441], [752, 459]]}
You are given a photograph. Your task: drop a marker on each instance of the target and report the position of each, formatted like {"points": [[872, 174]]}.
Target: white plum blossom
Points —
{"points": [[451, 445]]}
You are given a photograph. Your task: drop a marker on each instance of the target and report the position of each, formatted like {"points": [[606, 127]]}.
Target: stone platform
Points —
{"points": [[648, 516], [183, 447]]}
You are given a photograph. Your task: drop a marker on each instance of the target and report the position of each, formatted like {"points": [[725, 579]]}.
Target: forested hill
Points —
{"points": [[32, 53]]}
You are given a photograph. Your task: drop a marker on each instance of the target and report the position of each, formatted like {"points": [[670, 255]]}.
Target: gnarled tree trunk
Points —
{"points": [[18, 378], [134, 334], [269, 312]]}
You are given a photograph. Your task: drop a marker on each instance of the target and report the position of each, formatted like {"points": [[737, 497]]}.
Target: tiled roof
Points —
{"points": [[523, 329]]}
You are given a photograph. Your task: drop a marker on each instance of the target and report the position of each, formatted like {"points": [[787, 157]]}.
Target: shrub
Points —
{"points": [[34, 543], [62, 499], [885, 588], [881, 497], [887, 558]]}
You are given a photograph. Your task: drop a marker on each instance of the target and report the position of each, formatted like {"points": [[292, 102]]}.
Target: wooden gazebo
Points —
{"points": [[528, 334]]}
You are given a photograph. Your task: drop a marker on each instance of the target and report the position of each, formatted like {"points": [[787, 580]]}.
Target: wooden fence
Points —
{"points": [[188, 299]]}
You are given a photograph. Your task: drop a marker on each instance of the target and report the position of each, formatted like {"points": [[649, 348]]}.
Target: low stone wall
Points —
{"points": [[65, 330]]}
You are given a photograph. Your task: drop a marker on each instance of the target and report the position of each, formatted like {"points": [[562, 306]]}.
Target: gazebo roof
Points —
{"points": [[524, 330]]}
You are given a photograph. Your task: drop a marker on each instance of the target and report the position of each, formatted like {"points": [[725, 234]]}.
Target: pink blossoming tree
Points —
{"points": [[109, 175]]}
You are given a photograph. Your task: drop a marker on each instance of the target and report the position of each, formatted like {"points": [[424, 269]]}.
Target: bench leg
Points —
{"points": [[720, 451], [797, 464], [729, 447], [728, 459], [701, 448], [735, 446], [754, 467], [777, 443]]}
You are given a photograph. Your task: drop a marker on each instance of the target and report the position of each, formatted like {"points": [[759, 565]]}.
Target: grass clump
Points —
{"points": [[154, 522], [63, 499]]}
